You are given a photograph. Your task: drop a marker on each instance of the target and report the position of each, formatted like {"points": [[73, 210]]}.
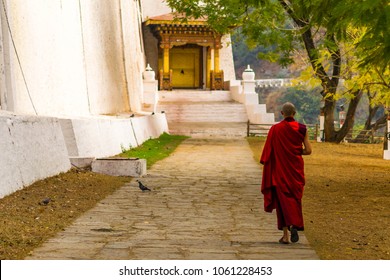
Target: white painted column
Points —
{"points": [[150, 89], [257, 113], [6, 79], [386, 153], [321, 136], [248, 86]]}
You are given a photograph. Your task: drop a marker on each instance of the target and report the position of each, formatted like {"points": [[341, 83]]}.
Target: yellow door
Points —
{"points": [[185, 65]]}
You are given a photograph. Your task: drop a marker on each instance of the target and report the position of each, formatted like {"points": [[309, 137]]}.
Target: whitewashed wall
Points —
{"points": [[151, 8], [106, 136], [134, 51], [73, 60], [149, 127], [76, 57], [226, 59], [31, 148]]}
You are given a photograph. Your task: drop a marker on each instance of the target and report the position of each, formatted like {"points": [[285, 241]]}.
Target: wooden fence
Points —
{"points": [[364, 136], [261, 129], [354, 136]]}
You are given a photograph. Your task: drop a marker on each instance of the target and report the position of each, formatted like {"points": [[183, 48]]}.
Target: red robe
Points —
{"points": [[283, 172]]}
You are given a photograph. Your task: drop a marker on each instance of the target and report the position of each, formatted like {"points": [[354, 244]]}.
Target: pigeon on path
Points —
{"points": [[45, 201], [142, 186]]}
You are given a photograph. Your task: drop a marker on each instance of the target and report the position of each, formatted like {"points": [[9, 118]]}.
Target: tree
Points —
{"points": [[374, 17], [326, 29], [307, 102]]}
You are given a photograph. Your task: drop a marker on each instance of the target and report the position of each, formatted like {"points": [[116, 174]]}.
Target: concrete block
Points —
{"points": [[150, 95], [249, 86], [251, 98], [386, 154], [133, 167], [236, 91], [81, 162], [256, 108], [267, 118]]}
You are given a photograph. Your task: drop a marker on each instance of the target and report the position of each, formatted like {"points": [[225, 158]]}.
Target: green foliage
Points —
{"points": [[323, 26], [306, 101], [154, 150], [242, 53], [347, 39], [374, 18]]}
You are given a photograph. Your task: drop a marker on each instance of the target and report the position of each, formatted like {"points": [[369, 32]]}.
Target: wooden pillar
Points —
{"points": [[166, 75], [208, 67], [217, 82], [166, 60], [216, 60]]}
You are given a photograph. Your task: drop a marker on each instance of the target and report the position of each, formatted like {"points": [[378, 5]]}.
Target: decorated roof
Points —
{"points": [[175, 18]]}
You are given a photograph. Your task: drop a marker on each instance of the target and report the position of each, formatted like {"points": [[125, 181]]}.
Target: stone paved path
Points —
{"points": [[205, 204]]}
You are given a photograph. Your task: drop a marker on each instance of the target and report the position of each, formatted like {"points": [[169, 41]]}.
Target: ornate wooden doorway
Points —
{"points": [[188, 53], [186, 65]]}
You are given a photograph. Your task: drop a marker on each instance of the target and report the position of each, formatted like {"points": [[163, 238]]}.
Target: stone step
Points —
{"points": [[213, 111], [204, 119], [194, 96], [209, 129], [199, 113]]}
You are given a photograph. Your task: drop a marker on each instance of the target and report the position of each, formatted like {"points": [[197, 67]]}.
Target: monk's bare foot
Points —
{"points": [[283, 240]]}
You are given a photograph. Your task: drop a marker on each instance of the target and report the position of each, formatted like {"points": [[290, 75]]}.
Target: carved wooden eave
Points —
{"points": [[174, 30]]}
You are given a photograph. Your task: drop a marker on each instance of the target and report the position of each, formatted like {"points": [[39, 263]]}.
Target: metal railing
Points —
{"points": [[264, 83]]}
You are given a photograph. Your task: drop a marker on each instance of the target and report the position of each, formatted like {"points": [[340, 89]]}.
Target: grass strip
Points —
{"points": [[154, 150]]}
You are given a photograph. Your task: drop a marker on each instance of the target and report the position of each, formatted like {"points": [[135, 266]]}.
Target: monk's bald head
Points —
{"points": [[288, 110]]}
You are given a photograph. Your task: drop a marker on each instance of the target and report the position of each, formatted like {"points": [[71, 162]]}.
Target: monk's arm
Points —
{"points": [[306, 145]]}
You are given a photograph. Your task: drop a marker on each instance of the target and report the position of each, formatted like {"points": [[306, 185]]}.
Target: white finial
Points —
{"points": [[248, 74], [149, 74]]}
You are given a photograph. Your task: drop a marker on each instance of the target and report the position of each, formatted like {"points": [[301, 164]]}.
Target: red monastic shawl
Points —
{"points": [[284, 171]]}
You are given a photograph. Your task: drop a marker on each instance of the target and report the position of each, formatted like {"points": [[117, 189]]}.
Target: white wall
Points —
{"points": [[226, 59], [149, 127], [151, 8], [31, 148], [52, 64], [106, 136], [72, 60], [134, 51], [78, 57]]}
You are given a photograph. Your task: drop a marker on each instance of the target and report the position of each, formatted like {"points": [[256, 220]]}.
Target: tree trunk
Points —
{"points": [[331, 134], [329, 81], [371, 113], [350, 118], [329, 120]]}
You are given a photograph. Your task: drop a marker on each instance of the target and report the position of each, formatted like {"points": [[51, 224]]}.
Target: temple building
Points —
{"points": [[185, 54], [188, 53]]}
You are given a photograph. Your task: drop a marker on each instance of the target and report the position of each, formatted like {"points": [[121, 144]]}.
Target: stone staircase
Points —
{"points": [[198, 113]]}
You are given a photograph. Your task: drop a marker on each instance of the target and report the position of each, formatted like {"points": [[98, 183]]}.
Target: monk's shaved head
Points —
{"points": [[288, 110]]}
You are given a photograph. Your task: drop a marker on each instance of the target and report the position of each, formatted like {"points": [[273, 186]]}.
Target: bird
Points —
{"points": [[153, 113], [45, 201], [132, 116], [142, 186]]}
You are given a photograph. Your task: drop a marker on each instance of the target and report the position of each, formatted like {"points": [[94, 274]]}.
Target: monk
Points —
{"points": [[283, 172]]}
